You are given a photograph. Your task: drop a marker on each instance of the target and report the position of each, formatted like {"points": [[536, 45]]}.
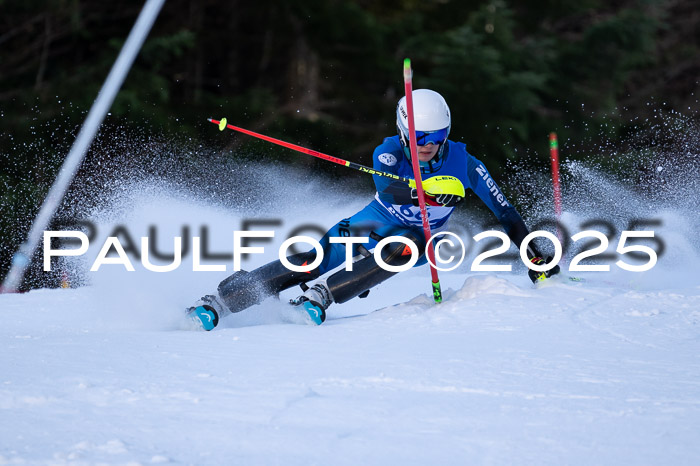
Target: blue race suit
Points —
{"points": [[392, 211]]}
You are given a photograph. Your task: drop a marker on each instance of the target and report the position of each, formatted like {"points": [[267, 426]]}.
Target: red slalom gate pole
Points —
{"points": [[554, 159], [408, 86]]}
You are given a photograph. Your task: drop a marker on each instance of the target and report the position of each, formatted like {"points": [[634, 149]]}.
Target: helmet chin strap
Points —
{"points": [[428, 167]]}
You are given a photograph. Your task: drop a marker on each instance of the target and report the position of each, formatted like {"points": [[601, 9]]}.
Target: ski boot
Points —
{"points": [[207, 312], [539, 277], [314, 301]]}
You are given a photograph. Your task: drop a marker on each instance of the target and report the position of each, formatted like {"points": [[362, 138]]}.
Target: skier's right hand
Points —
{"points": [[446, 191]]}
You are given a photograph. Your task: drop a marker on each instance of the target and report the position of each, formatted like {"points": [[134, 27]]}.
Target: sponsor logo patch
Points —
{"points": [[388, 159], [481, 170]]}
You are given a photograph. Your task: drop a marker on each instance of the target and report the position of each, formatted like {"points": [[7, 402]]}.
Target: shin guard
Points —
{"points": [[244, 289], [367, 273]]}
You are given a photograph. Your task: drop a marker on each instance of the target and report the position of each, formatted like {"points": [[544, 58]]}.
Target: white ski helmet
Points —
{"points": [[432, 119]]}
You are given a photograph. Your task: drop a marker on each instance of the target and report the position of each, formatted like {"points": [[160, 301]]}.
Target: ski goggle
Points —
{"points": [[423, 138]]}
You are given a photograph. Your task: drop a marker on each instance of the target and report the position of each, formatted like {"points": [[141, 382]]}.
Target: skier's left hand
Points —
{"points": [[446, 191], [445, 200], [537, 277]]}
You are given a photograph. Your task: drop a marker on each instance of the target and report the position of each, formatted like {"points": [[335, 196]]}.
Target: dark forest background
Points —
{"points": [[327, 75]]}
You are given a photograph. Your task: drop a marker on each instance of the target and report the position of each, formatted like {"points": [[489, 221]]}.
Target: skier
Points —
{"points": [[446, 169]]}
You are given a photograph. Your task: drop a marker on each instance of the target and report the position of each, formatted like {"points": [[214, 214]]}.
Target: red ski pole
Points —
{"points": [[223, 124]]}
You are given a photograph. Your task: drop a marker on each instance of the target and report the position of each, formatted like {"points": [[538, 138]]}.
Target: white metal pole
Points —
{"points": [[94, 119]]}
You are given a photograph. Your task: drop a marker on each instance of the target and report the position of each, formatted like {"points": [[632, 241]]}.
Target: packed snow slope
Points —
{"points": [[600, 372]]}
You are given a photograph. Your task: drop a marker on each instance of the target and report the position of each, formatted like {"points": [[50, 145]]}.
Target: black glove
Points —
{"points": [[445, 200], [537, 277]]}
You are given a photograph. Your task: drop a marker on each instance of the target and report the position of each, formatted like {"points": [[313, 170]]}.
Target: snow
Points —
{"points": [[600, 372]]}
